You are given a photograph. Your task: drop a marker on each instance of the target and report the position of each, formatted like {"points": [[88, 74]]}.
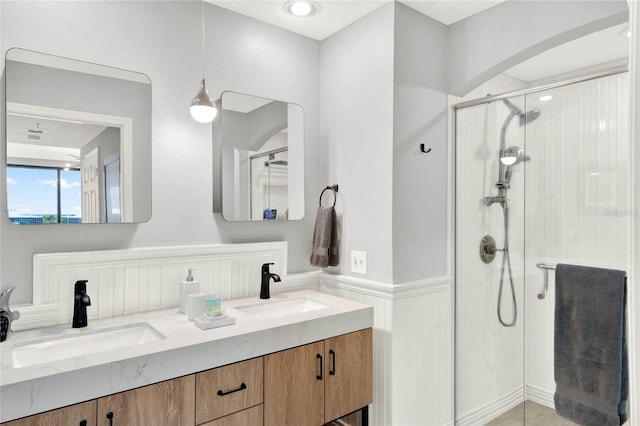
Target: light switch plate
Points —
{"points": [[359, 262]]}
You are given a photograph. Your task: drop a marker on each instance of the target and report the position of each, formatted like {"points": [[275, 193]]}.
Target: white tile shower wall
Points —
{"points": [[577, 201], [129, 281], [413, 357]]}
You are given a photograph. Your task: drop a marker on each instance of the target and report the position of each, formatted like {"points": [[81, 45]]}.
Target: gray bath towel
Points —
{"points": [[590, 369], [324, 250]]}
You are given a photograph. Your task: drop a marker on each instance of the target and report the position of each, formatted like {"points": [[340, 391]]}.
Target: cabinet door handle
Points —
{"points": [[222, 393], [83, 423], [319, 376], [332, 372], [110, 417]]}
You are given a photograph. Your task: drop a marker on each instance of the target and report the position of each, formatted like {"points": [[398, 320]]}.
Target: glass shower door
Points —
{"points": [[553, 166], [577, 200], [489, 259]]}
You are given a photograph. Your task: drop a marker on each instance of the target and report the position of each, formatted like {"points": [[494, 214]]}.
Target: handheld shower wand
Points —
{"points": [[508, 157]]}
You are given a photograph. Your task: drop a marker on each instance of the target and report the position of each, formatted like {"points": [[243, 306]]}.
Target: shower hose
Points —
{"points": [[506, 259]]}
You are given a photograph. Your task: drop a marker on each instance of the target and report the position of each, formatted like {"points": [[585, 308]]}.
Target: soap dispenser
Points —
{"points": [[187, 287]]}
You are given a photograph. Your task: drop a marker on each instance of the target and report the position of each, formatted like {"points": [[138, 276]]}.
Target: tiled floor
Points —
{"points": [[530, 414]]}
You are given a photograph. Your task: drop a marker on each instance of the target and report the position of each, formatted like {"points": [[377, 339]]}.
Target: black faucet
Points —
{"points": [[6, 315], [80, 302], [266, 277]]}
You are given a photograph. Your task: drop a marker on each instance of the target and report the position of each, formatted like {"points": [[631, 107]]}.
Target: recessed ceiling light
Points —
{"points": [[301, 8], [545, 98]]}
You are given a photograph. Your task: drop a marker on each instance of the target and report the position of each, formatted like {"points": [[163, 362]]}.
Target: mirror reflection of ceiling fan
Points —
{"points": [[73, 165]]}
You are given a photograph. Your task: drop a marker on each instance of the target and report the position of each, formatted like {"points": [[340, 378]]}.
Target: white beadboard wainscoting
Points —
{"points": [[413, 347], [129, 281]]}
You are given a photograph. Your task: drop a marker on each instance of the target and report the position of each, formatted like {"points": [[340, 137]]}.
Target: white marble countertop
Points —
{"points": [[186, 349]]}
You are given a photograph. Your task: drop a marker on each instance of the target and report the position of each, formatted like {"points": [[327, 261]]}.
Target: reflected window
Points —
{"points": [[37, 195]]}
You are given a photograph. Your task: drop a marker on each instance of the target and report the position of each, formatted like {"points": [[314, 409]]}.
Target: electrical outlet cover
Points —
{"points": [[359, 262]]}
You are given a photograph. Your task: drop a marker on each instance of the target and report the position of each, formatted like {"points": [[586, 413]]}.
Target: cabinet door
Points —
{"points": [[348, 373], [73, 415], [170, 403], [294, 387]]}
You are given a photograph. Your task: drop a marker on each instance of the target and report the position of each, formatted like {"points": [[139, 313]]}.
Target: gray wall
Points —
{"points": [[488, 43], [357, 127], [419, 116], [163, 40]]}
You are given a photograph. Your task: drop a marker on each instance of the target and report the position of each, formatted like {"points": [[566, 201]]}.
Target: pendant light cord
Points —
{"points": [[202, 15]]}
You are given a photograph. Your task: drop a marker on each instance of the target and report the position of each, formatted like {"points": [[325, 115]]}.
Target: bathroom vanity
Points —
{"points": [[302, 357]]}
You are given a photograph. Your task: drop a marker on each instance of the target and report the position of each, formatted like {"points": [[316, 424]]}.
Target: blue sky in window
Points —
{"points": [[33, 191]]}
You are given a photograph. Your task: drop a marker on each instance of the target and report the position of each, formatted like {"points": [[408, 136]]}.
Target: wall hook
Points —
{"points": [[423, 150]]}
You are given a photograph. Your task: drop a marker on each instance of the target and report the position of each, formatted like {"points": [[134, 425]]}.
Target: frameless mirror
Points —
{"points": [[78, 141], [261, 159]]}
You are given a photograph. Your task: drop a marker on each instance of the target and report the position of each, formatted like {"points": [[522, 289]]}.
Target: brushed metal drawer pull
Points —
{"points": [[242, 387]]}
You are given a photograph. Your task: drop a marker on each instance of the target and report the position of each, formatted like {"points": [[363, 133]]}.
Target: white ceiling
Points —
{"points": [[598, 48], [59, 140], [337, 14], [593, 49], [67, 134]]}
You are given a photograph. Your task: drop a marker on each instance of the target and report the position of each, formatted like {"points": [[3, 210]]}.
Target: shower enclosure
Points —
{"points": [[541, 178]]}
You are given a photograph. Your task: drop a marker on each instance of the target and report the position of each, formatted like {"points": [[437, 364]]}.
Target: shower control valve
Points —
{"points": [[488, 249]]}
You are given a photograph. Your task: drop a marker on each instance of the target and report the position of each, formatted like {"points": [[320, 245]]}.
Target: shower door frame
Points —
{"points": [[453, 179]]}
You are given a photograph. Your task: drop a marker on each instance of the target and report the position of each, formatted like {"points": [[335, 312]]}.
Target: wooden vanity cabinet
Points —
{"points": [[170, 403], [83, 414], [305, 386], [314, 384]]}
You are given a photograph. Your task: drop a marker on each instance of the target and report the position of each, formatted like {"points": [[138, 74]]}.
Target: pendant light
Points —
{"points": [[203, 109]]}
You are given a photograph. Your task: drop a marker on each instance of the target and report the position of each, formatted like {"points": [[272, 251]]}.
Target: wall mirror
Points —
{"points": [[261, 151], [78, 141]]}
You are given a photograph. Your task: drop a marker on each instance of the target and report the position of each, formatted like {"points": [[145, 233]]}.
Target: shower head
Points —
{"points": [[524, 117], [529, 116]]}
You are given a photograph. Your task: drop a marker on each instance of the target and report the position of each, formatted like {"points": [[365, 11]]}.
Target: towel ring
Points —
{"points": [[334, 189]]}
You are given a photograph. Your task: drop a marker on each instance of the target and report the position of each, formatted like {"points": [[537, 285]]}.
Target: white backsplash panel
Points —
{"points": [[130, 281]]}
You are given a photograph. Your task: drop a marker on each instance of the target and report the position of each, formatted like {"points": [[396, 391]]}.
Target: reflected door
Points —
{"points": [[91, 187]]}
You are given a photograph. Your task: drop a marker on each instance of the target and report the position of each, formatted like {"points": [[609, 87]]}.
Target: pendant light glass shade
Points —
{"points": [[203, 109]]}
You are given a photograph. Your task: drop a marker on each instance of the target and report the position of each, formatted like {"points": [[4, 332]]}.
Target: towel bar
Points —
{"points": [[546, 268]]}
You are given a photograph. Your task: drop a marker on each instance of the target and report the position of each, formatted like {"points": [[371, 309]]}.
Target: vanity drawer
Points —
{"points": [[250, 416], [229, 389]]}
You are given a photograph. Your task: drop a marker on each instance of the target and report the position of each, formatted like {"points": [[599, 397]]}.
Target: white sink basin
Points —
{"points": [[275, 309], [82, 342]]}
